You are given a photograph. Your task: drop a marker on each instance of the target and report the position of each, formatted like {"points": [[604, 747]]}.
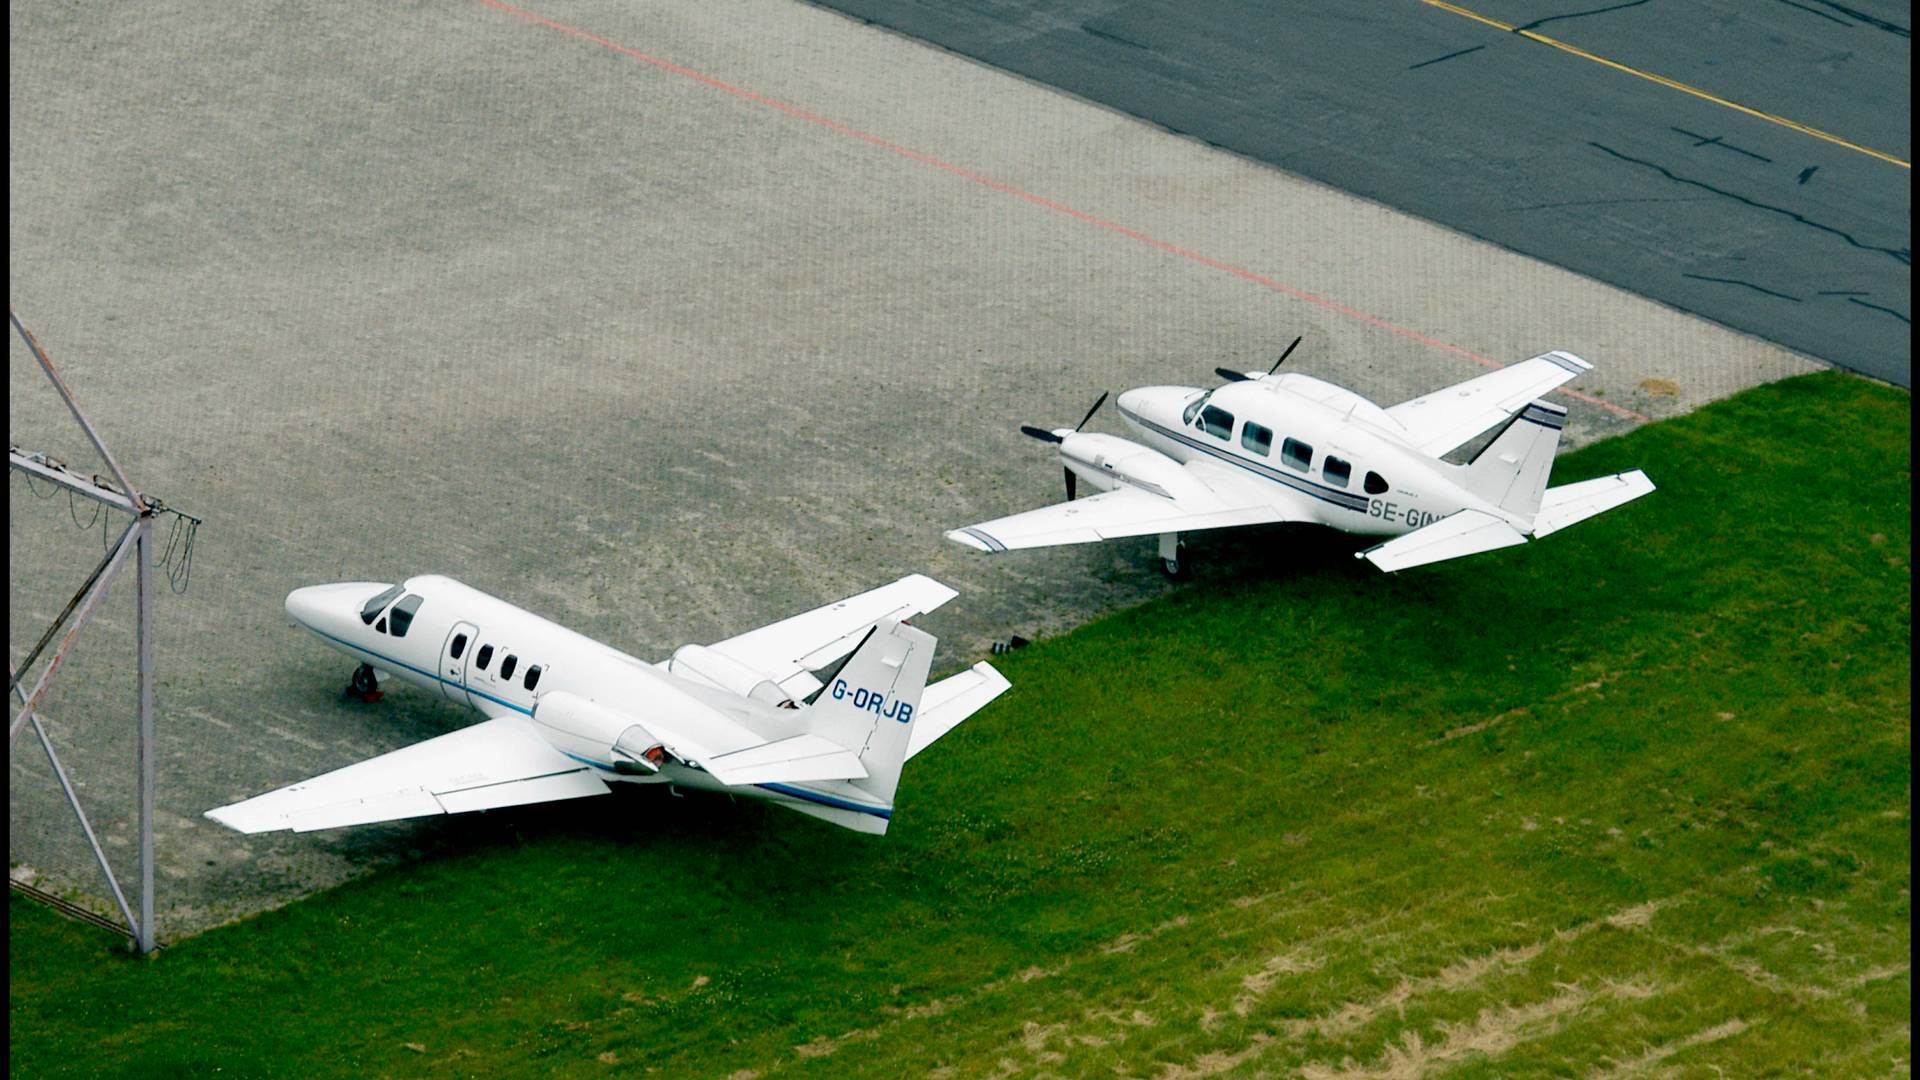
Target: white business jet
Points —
{"points": [[1271, 448], [763, 714]]}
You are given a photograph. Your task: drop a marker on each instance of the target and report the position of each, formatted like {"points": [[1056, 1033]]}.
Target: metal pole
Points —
{"points": [[14, 677], [143, 932], [73, 406], [99, 593], [73, 799]]}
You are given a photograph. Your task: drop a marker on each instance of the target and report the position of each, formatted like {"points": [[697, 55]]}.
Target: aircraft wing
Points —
{"points": [[787, 651], [1215, 500], [1446, 419], [501, 762]]}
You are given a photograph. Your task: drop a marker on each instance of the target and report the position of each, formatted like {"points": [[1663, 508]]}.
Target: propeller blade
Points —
{"points": [[1039, 433], [1230, 375], [1090, 412], [1073, 484], [1283, 356]]}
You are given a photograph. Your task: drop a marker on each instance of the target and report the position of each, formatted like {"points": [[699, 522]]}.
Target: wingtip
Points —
{"points": [[967, 538]]}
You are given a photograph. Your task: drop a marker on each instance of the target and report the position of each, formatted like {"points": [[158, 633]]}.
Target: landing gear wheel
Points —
{"points": [[1173, 562], [365, 684]]}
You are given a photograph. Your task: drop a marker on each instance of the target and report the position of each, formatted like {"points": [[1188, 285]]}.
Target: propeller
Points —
{"points": [[1048, 436], [1073, 482], [1233, 376], [1283, 356]]}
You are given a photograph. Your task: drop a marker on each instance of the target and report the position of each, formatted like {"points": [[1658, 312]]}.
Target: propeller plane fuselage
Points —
{"points": [[1270, 447]]}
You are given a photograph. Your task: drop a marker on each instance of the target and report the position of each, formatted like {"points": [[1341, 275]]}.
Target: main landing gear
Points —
{"points": [[365, 684], [1173, 562]]}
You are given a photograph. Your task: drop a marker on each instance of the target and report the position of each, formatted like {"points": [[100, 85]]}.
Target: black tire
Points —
{"points": [[364, 680], [1178, 567]]}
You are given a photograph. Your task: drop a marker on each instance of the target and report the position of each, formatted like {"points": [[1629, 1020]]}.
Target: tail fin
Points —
{"points": [[870, 706], [1511, 473]]}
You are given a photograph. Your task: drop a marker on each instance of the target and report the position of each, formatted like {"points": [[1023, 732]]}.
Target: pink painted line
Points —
{"points": [[911, 154]]}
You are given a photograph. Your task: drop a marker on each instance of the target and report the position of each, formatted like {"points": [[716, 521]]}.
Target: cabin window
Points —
{"points": [[372, 609], [459, 646], [507, 666], [1216, 422], [402, 614], [533, 676], [1375, 484], [1297, 454], [1336, 471], [381, 626], [1257, 439], [483, 657]]}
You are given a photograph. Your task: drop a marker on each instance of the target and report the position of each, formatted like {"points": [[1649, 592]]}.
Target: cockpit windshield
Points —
{"points": [[372, 609], [1194, 407]]}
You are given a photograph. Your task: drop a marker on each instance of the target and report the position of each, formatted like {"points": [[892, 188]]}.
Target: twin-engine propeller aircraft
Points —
{"points": [[765, 714], [1270, 448]]}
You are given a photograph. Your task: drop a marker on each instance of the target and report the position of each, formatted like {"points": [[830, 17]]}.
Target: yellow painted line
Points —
{"points": [[1669, 83]]}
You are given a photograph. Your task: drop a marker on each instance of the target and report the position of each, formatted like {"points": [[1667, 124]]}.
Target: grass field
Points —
{"points": [[1632, 799]]}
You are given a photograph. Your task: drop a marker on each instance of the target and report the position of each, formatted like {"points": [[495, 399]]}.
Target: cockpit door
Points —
{"points": [[461, 642]]}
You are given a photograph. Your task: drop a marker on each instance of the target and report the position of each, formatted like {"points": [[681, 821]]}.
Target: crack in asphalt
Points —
{"points": [[1903, 255], [1720, 141], [1816, 13], [1449, 56], [1744, 284], [1877, 23], [1537, 23], [1877, 307]]}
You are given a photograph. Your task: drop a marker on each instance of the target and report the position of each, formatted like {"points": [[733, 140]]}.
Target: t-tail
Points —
{"points": [[869, 707]]}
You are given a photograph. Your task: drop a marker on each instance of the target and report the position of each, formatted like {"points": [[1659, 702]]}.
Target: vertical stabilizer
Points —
{"points": [[870, 705], [1511, 473]]}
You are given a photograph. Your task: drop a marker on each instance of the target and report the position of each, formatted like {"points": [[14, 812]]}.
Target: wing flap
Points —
{"points": [[501, 762], [951, 700], [1572, 503], [1465, 532], [1444, 420]]}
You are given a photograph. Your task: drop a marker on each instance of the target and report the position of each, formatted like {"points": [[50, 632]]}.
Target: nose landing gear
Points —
{"points": [[365, 684]]}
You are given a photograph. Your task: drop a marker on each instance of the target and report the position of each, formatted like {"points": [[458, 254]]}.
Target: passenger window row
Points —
{"points": [[1258, 438], [484, 656]]}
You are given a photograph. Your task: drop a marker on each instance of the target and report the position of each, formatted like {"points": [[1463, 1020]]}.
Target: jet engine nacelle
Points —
{"points": [[1109, 461], [699, 664], [598, 733]]}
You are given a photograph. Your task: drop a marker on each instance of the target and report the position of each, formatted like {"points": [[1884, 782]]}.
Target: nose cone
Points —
{"points": [[319, 607], [304, 605], [1156, 404]]}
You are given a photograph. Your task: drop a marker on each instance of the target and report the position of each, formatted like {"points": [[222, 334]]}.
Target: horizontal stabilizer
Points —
{"points": [[1466, 532], [951, 700], [791, 761], [1572, 503], [787, 652]]}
